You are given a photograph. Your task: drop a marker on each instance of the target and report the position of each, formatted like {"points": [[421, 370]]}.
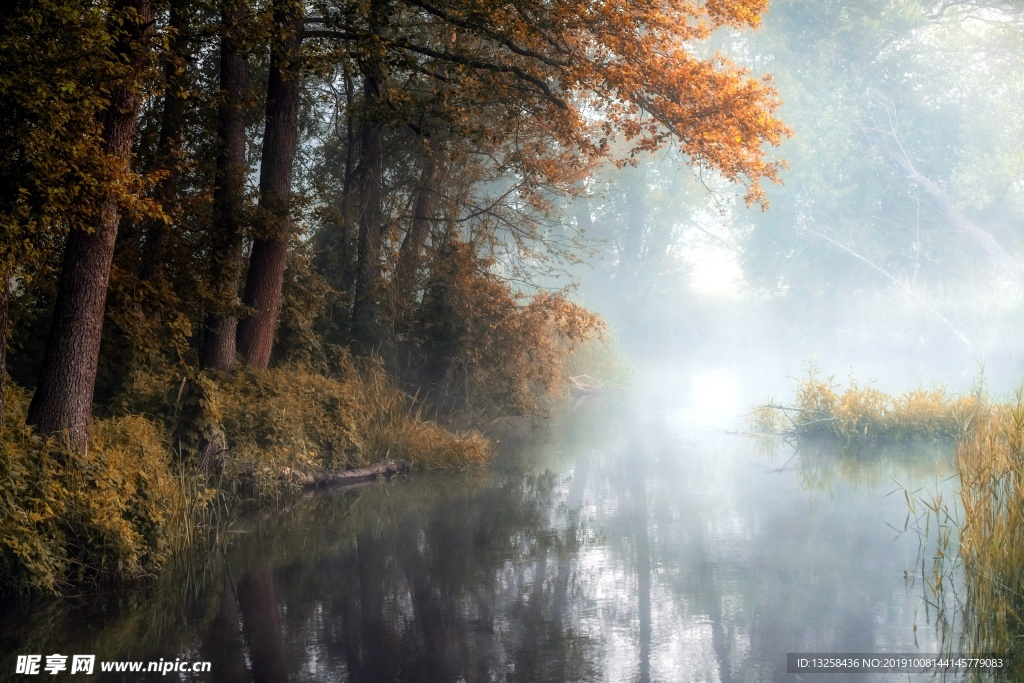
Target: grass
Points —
{"points": [[862, 412], [988, 543], [975, 586]]}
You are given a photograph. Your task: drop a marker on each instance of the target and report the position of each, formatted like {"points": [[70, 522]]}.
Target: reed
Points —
{"points": [[860, 412], [975, 584], [990, 536]]}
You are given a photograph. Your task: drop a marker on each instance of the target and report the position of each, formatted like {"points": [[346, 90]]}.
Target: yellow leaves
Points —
{"points": [[114, 514], [506, 353]]}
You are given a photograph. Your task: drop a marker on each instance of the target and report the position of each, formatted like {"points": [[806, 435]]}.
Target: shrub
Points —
{"points": [[117, 513], [260, 432]]}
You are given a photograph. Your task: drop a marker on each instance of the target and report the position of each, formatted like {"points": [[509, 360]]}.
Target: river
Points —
{"points": [[633, 537]]}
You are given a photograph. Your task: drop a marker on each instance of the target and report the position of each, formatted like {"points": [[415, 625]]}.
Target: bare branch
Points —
{"points": [[892, 278], [487, 66]]}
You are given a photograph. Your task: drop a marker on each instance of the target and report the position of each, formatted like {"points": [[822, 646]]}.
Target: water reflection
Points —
{"points": [[614, 545]]}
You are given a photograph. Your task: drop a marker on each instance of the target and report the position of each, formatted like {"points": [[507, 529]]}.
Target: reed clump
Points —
{"points": [[990, 463], [976, 584], [858, 412]]}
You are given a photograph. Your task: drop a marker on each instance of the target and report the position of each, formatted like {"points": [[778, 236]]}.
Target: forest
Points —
{"points": [[219, 213], [251, 247]]}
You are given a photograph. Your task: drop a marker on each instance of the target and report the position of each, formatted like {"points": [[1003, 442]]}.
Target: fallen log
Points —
{"points": [[335, 479]]}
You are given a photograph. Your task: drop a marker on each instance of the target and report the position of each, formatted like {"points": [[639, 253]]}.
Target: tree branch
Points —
{"points": [[514, 47], [892, 278], [487, 66], [899, 154]]}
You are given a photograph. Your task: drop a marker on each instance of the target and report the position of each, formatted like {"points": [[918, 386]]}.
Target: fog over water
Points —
{"points": [[630, 538], [892, 249], [640, 534]]}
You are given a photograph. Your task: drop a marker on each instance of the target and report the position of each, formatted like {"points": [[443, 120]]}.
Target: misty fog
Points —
{"points": [[892, 248], [677, 509]]}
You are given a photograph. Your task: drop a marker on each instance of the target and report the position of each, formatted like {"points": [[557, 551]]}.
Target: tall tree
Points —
{"points": [[63, 397], [48, 134], [424, 210], [218, 350], [370, 178], [172, 130], [274, 228], [551, 63]]}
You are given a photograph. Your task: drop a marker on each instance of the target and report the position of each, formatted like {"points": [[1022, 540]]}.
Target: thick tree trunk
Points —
{"points": [[280, 139], [63, 398], [218, 352], [424, 210], [5, 307], [172, 126], [365, 327]]}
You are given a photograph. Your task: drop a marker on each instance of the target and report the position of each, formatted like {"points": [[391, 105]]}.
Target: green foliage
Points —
{"points": [[117, 514]]}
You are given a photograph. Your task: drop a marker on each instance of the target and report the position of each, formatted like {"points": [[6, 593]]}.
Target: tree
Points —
{"points": [[218, 345], [280, 140], [490, 73], [63, 398], [48, 130]]}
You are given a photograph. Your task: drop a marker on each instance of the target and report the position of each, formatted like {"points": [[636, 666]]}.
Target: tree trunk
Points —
{"points": [[424, 209], [5, 307], [280, 139], [218, 352], [634, 193], [365, 327], [63, 398], [172, 126]]}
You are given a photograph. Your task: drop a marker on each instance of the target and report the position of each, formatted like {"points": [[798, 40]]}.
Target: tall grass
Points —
{"points": [[395, 426], [975, 584], [990, 536], [823, 408]]}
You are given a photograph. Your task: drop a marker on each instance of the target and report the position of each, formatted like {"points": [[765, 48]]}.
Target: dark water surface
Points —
{"points": [[631, 539]]}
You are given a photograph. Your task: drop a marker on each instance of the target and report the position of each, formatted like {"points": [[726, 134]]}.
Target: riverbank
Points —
{"points": [[174, 459]]}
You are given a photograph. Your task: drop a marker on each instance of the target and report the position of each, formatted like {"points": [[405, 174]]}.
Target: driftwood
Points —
{"points": [[335, 479]]}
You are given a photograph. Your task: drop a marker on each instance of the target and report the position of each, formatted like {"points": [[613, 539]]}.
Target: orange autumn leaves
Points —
{"points": [[588, 73]]}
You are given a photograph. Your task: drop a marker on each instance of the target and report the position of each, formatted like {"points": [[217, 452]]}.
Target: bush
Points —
{"points": [[117, 513], [261, 432]]}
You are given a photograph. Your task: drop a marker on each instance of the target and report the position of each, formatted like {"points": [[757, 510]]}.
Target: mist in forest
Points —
{"points": [[891, 250]]}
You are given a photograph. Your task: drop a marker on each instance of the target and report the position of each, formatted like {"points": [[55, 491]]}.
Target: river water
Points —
{"points": [[631, 538]]}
